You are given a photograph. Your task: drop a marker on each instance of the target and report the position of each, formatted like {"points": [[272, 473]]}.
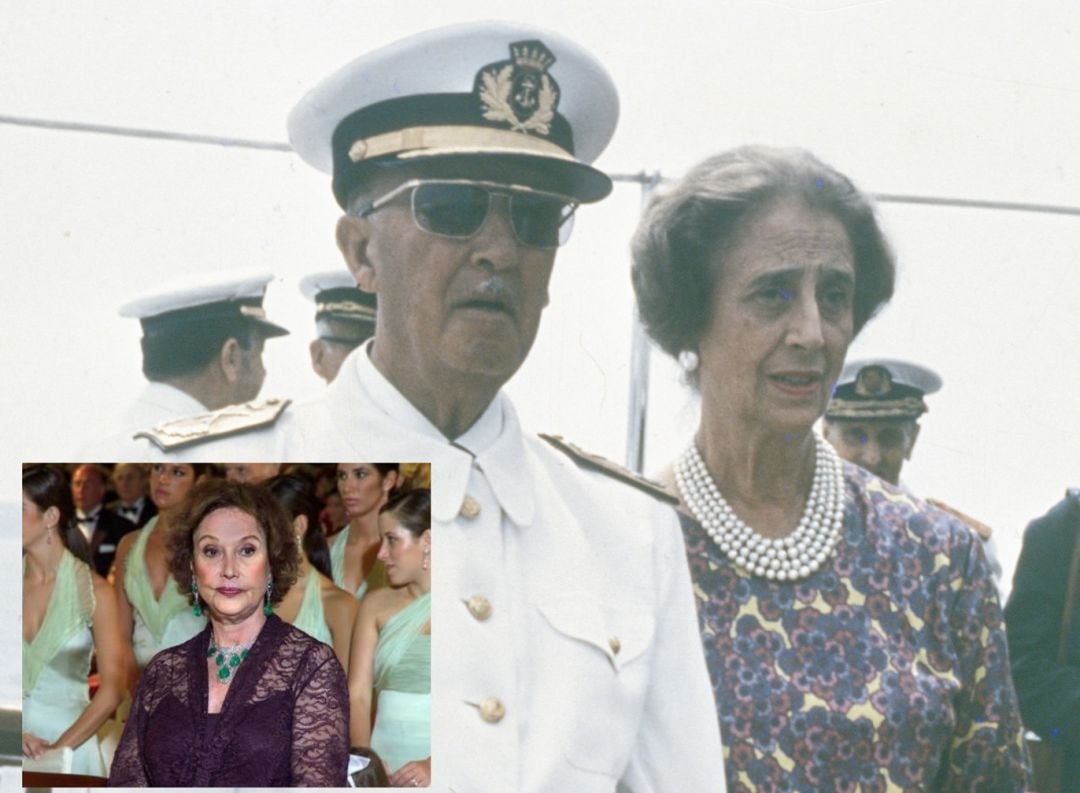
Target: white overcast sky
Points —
{"points": [[965, 99]]}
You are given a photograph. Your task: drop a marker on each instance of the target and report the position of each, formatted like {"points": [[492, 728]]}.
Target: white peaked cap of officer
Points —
{"points": [[902, 373], [204, 297], [492, 91], [311, 286]]}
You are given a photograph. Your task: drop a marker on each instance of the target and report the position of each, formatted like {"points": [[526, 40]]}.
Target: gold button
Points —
{"points": [[492, 710], [470, 508], [479, 606], [614, 644]]}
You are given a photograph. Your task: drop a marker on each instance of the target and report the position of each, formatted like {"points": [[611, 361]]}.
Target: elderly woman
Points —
{"points": [[391, 653], [853, 633], [250, 701], [314, 604], [69, 614]]}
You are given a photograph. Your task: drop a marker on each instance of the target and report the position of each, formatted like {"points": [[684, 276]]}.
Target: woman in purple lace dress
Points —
{"points": [[853, 632], [250, 701]]}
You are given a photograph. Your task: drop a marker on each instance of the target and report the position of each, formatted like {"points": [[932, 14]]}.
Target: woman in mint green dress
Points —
{"points": [[69, 613], [364, 488], [391, 650], [314, 604], [154, 613]]}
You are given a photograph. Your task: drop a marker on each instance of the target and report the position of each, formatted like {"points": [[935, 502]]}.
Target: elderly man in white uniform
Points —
{"points": [[566, 653]]}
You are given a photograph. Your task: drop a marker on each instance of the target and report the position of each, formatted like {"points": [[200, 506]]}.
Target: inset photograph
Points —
{"points": [[226, 624]]}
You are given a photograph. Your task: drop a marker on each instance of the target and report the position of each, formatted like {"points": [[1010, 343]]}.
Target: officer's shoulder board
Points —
{"points": [[180, 433], [595, 462], [977, 526]]}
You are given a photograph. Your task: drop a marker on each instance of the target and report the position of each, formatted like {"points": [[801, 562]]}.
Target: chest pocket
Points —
{"points": [[602, 670]]}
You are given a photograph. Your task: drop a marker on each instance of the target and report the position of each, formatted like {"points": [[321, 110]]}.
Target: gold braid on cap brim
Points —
{"points": [[418, 141], [344, 307], [906, 408]]}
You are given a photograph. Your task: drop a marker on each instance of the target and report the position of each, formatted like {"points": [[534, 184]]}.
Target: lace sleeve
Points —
{"points": [[320, 740]]}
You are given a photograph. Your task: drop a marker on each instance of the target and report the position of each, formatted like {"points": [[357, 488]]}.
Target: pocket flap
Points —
{"points": [[619, 632]]}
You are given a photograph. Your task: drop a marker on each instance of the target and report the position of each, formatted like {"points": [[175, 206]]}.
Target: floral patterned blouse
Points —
{"points": [[885, 670]]}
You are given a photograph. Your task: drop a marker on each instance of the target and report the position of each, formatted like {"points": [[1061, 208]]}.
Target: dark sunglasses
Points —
{"points": [[458, 208]]}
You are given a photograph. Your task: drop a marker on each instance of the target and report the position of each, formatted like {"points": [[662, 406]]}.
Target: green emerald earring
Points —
{"points": [[267, 609], [197, 611]]}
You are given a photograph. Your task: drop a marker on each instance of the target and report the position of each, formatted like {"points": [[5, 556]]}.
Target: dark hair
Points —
{"points": [[48, 486], [373, 774], [209, 496], [297, 495], [411, 510], [191, 347], [674, 247]]}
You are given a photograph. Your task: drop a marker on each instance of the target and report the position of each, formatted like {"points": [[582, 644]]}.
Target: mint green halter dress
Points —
{"points": [[402, 730], [159, 623], [55, 665], [375, 579]]}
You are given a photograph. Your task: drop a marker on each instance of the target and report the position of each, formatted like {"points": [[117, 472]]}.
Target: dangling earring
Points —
{"points": [[426, 552], [267, 609], [48, 535], [197, 611]]}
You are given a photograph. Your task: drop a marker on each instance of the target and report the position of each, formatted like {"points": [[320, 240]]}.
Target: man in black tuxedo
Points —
{"points": [[98, 524], [132, 503]]}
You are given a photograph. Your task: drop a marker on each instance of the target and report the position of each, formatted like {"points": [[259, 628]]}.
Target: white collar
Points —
{"points": [[494, 443]]}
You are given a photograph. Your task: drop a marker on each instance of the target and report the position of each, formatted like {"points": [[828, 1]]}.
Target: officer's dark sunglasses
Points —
{"points": [[458, 208]]}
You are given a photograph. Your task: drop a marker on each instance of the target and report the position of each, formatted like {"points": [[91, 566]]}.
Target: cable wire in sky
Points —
{"points": [[641, 178]]}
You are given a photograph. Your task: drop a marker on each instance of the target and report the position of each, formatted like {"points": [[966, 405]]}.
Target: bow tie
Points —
{"points": [[129, 512], [88, 519]]}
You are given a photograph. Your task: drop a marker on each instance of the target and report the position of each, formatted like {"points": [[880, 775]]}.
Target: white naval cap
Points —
{"points": [[498, 93], [204, 299], [882, 388], [343, 312]]}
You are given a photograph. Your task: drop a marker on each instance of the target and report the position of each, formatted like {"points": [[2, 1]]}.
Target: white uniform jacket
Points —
{"points": [[565, 646], [156, 403]]}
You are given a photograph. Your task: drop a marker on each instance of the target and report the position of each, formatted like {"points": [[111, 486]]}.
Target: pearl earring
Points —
{"points": [[689, 360], [426, 552]]}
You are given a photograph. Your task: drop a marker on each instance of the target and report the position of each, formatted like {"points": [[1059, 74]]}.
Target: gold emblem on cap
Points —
{"points": [[615, 645], [873, 381], [479, 606], [492, 710], [522, 84], [470, 508]]}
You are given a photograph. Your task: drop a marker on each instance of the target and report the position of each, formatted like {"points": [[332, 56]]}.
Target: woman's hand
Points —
{"points": [[34, 747], [414, 774]]}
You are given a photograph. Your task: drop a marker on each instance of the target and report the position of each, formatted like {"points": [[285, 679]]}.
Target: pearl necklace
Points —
{"points": [[789, 558]]}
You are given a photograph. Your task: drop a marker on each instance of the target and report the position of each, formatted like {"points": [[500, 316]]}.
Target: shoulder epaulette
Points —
{"points": [[223, 422], [603, 465], [977, 526]]}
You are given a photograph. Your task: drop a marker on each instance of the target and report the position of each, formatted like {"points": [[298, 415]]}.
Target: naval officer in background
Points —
{"points": [[566, 652], [872, 421], [344, 319], [202, 347]]}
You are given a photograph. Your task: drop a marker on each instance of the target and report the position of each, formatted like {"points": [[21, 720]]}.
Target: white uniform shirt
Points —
{"points": [[156, 403], [588, 674]]}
